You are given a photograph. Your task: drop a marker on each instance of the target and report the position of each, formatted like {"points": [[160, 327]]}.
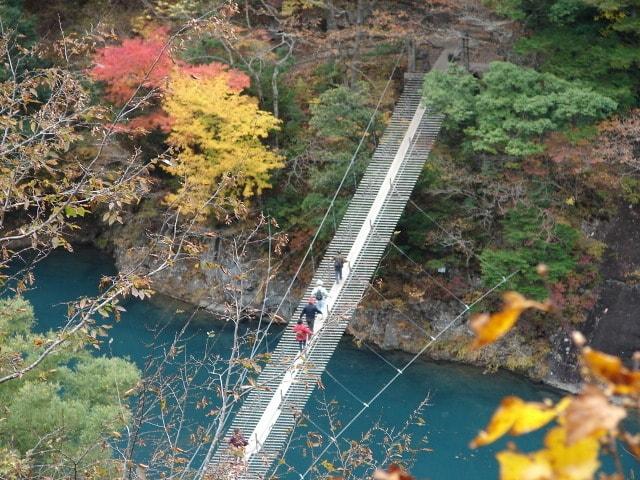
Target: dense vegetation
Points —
{"points": [[63, 414], [171, 123], [534, 137]]}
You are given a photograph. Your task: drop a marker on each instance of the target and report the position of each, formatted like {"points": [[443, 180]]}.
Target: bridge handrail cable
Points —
{"points": [[331, 204]]}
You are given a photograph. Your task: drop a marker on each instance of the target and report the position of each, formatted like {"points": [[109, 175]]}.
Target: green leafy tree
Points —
{"points": [[511, 108], [18, 28], [61, 416], [594, 41], [341, 114], [14, 17], [602, 62], [538, 13], [622, 15], [339, 118], [527, 243]]}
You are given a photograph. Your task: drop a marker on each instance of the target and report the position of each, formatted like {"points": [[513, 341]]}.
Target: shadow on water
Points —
{"points": [[461, 398]]}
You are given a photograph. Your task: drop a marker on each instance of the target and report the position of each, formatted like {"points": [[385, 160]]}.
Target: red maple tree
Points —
{"points": [[136, 61], [235, 78], [147, 62]]}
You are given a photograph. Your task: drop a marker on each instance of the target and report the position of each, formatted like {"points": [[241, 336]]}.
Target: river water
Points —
{"points": [[461, 398]]}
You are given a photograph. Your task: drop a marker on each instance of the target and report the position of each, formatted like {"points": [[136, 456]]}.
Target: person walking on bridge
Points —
{"points": [[238, 444], [303, 333], [320, 293], [310, 311], [338, 263]]}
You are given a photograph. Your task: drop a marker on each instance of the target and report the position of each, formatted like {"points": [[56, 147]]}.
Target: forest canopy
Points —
{"points": [[511, 108]]}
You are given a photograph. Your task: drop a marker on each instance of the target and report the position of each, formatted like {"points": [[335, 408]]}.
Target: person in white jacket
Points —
{"points": [[321, 294]]}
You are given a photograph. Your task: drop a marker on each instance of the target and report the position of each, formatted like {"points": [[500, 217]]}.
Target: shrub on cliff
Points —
{"points": [[512, 108], [527, 241], [593, 41]]}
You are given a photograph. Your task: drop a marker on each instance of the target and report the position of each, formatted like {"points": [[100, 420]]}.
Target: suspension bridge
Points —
{"points": [[269, 414]]}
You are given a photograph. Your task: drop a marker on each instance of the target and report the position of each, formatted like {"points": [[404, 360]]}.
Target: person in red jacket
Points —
{"points": [[302, 334]]}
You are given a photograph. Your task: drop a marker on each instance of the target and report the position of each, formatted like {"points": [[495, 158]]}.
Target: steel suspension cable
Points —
{"points": [[333, 199], [401, 371]]}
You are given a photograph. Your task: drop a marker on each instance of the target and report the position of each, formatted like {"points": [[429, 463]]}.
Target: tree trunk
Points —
{"points": [[411, 54], [353, 73], [330, 17], [246, 13], [276, 104], [274, 89]]}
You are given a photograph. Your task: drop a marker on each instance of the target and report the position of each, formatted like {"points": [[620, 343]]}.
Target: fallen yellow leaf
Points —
{"points": [[490, 327], [518, 466], [558, 461], [572, 462]]}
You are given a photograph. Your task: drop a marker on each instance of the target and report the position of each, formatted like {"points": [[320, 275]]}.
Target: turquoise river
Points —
{"points": [[461, 398]]}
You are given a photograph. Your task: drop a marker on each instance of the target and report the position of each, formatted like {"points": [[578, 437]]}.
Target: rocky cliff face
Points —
{"points": [[614, 324], [407, 325], [197, 283], [413, 325]]}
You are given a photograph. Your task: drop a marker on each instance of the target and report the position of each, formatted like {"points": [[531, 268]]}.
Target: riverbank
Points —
{"points": [[400, 323], [461, 399]]}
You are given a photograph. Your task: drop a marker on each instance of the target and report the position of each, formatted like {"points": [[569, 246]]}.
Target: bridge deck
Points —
{"points": [[268, 416]]}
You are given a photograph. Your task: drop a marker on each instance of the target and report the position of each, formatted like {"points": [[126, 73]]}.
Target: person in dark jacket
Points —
{"points": [[310, 311], [338, 264], [238, 444]]}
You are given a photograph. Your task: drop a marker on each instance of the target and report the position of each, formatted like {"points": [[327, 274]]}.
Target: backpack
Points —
{"points": [[338, 261], [319, 294]]}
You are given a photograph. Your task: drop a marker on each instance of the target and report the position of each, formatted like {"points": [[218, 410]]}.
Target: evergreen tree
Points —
{"points": [[61, 416], [511, 108]]}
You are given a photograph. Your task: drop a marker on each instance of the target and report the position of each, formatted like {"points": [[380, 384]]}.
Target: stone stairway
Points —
{"points": [[268, 415]]}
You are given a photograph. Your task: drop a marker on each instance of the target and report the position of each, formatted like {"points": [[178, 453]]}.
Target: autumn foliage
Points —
{"points": [[217, 131], [490, 327], [517, 417], [586, 424], [135, 62], [147, 63]]}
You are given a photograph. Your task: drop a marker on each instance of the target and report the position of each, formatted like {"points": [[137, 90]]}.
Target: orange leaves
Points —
{"points": [[611, 370], [518, 417], [393, 472], [591, 414], [236, 80], [148, 62], [490, 327], [136, 61]]}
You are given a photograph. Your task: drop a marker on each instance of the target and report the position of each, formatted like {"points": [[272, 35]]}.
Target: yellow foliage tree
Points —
{"points": [[217, 132]]}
